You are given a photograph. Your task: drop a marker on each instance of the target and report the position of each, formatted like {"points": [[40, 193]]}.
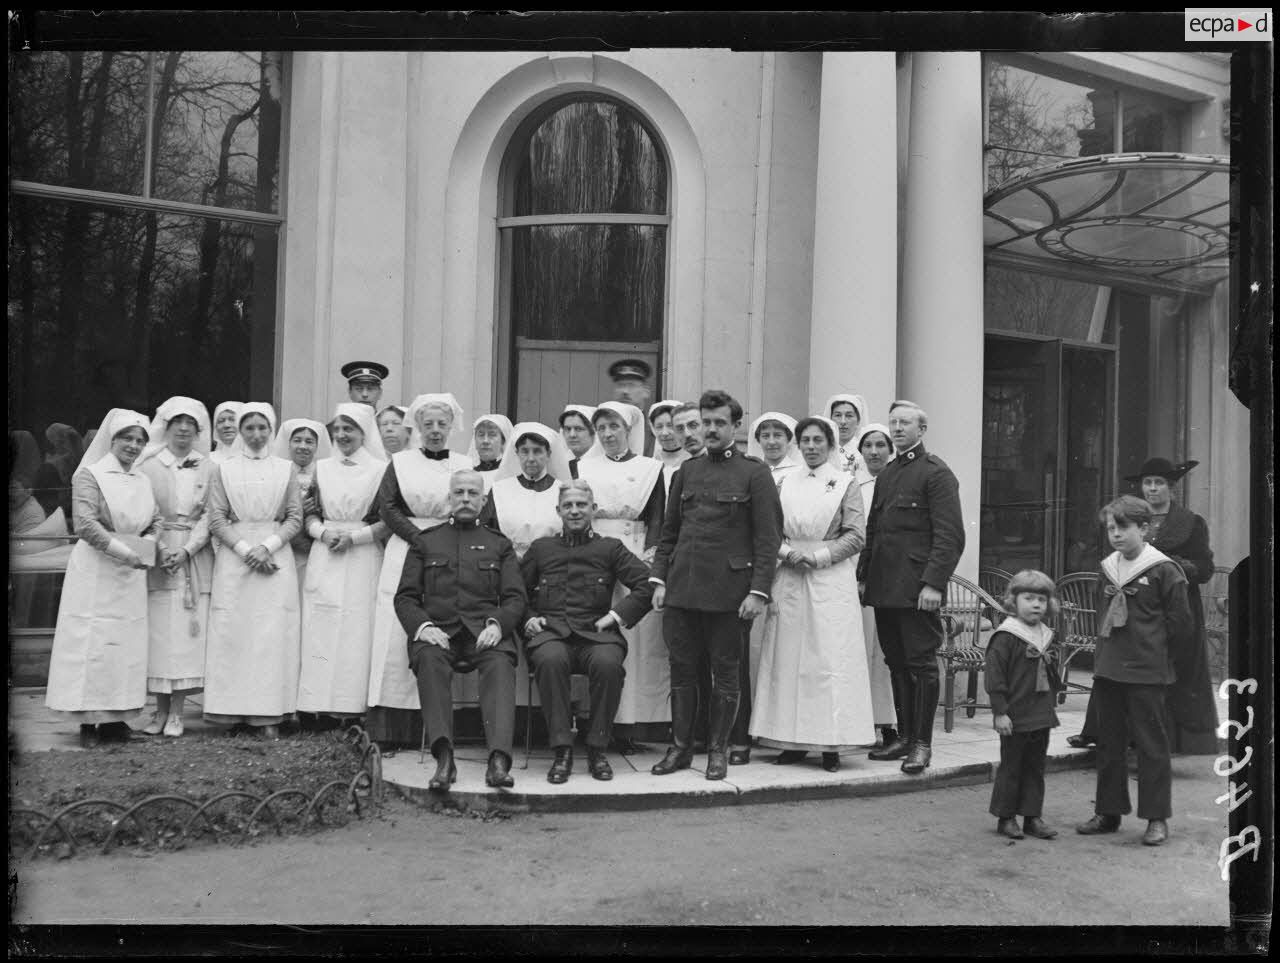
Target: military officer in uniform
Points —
{"points": [[364, 382], [459, 600], [713, 570], [915, 535], [631, 382], [570, 627]]}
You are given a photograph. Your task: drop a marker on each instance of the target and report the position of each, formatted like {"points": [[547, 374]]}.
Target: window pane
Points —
{"points": [[1151, 124], [1040, 304], [590, 157], [77, 119], [588, 282], [218, 142], [1034, 121], [123, 308]]}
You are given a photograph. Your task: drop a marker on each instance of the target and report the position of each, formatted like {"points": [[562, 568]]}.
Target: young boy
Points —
{"points": [[1022, 684], [1145, 621]]}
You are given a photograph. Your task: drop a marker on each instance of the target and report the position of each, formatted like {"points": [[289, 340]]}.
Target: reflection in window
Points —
{"points": [[1036, 119], [1027, 303], [115, 307], [80, 119]]}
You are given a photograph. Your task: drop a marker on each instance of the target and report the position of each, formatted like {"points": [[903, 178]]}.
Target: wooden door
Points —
{"points": [[552, 374]]}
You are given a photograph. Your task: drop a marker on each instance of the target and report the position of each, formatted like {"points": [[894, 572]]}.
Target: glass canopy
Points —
{"points": [[1158, 222]]}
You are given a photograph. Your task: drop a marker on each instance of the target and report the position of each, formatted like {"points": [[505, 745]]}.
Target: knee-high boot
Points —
{"points": [[926, 705], [903, 696], [684, 709], [724, 710]]}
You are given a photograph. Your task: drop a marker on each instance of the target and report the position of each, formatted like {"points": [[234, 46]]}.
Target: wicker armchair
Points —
{"points": [[1077, 624], [994, 581], [969, 615]]}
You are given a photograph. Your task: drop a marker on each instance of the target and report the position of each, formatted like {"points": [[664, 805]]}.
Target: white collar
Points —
{"points": [[110, 463], [1147, 558], [167, 458], [1038, 638], [264, 454]]}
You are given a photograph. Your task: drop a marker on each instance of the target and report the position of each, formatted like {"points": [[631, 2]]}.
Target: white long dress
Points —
{"points": [[251, 670], [178, 604], [339, 591], [813, 692], [622, 490], [789, 465], [98, 666], [424, 485], [881, 679]]}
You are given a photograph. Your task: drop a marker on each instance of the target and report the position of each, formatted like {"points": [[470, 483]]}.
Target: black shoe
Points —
{"points": [[446, 770], [739, 757], [831, 761], [498, 775], [563, 765], [888, 735], [1157, 832], [89, 737], [918, 759], [789, 757], [897, 749], [1099, 824], [114, 732], [270, 733], [1009, 827], [675, 759], [598, 765], [1039, 829], [1081, 741], [717, 764]]}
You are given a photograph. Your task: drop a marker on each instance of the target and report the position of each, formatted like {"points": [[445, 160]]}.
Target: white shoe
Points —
{"points": [[173, 727], [154, 727]]}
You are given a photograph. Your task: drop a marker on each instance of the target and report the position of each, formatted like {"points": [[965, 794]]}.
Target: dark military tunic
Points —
{"points": [[460, 577]]}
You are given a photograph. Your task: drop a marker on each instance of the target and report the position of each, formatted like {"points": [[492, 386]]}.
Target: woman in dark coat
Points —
{"points": [[1182, 535]]}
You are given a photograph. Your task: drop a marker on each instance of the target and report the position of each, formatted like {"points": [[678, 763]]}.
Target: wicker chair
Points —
{"points": [[994, 581], [967, 613], [1077, 624]]}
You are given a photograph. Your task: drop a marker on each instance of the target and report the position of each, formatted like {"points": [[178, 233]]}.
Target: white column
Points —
{"points": [[940, 336], [853, 339]]}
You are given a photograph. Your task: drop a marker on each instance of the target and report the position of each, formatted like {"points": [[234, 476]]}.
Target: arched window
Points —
{"points": [[583, 245]]}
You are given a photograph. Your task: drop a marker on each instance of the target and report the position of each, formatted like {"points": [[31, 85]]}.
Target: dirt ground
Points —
{"points": [[925, 857]]}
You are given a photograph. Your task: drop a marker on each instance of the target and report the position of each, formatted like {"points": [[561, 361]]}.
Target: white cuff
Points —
{"points": [[759, 593], [823, 557], [315, 528], [362, 536], [118, 549], [657, 581], [492, 621], [273, 543], [242, 548], [417, 636]]}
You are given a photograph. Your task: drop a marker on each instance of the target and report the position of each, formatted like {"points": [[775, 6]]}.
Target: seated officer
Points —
{"points": [[570, 579], [459, 600]]}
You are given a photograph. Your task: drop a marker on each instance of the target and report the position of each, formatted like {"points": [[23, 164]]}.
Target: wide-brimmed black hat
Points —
{"points": [[1162, 467], [365, 371], [630, 368]]}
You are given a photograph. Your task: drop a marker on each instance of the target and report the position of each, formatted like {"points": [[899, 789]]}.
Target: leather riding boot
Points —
{"points": [[724, 709], [684, 708], [498, 773], [926, 705], [903, 693], [446, 771]]}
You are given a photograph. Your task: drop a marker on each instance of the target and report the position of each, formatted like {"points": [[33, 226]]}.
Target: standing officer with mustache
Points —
{"points": [[713, 570]]}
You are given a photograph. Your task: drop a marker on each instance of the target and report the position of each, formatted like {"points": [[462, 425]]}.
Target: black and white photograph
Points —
{"points": [[563, 483]]}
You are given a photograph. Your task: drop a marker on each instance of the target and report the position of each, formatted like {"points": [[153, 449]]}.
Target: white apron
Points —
{"points": [[178, 604], [251, 670], [339, 593], [622, 489], [99, 657], [813, 690], [523, 516], [424, 484], [878, 670], [755, 638]]}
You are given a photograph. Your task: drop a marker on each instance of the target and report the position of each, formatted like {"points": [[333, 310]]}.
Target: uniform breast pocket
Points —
{"points": [[911, 511], [731, 503], [491, 569], [601, 591], [551, 594], [434, 567]]}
